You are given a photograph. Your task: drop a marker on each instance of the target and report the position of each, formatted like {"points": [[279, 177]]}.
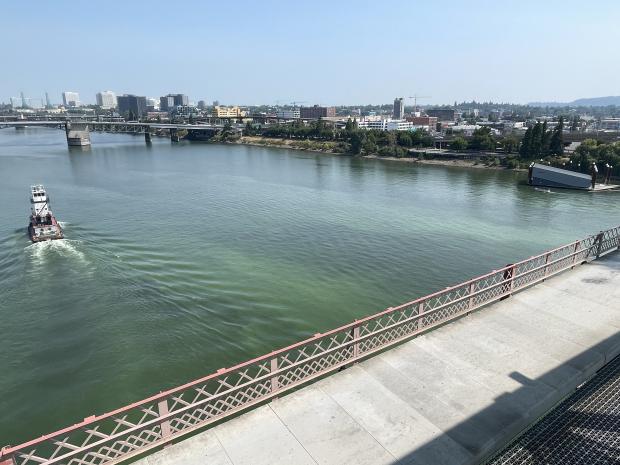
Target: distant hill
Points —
{"points": [[582, 102]]}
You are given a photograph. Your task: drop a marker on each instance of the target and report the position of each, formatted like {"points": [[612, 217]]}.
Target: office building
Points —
{"points": [[166, 103], [316, 112], [610, 124], [202, 104], [171, 101], [131, 106], [106, 99], [430, 121], [289, 114], [181, 100], [399, 108], [227, 112], [152, 104], [70, 99], [442, 114]]}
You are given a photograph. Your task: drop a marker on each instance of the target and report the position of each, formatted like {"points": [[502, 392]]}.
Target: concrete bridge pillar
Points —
{"points": [[174, 135], [147, 136], [77, 137]]}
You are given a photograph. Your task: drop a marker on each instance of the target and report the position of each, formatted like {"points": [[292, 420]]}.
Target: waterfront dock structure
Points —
{"points": [[453, 395]]}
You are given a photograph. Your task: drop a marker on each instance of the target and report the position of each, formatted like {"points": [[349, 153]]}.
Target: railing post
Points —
{"points": [[575, 253], [162, 408], [6, 460], [509, 275], [599, 239], [274, 378], [420, 312], [472, 289], [355, 333], [546, 265]]}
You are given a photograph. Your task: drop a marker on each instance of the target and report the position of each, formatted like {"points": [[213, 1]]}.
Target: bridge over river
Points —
{"points": [[439, 380], [128, 127]]}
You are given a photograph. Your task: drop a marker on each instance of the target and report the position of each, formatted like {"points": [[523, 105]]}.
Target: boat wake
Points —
{"points": [[546, 191], [67, 248]]}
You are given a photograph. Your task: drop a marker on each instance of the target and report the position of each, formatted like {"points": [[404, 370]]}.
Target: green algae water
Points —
{"points": [[180, 259]]}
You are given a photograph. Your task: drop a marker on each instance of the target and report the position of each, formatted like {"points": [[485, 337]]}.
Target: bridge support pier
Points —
{"points": [[77, 137], [174, 135], [147, 137]]}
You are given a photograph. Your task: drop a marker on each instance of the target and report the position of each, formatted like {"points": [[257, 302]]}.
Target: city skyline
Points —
{"points": [[329, 54]]}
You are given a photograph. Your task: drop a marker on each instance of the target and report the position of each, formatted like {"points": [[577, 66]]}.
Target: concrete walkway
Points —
{"points": [[451, 396]]}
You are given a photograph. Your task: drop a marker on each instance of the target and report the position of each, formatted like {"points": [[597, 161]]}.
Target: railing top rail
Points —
{"points": [[589, 241]]}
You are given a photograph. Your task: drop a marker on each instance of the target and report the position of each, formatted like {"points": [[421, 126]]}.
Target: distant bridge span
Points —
{"points": [[130, 127]]}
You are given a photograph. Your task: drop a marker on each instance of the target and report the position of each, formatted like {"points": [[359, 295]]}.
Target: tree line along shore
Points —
{"points": [[481, 149]]}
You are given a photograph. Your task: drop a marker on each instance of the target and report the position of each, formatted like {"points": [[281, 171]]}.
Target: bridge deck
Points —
{"points": [[451, 396], [583, 430]]}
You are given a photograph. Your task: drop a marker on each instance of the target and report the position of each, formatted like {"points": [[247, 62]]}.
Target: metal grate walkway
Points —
{"points": [[583, 429]]}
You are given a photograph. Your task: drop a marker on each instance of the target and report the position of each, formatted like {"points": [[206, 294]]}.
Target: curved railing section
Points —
{"points": [[134, 429]]}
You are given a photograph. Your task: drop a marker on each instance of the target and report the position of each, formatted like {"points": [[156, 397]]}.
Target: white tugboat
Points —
{"points": [[43, 225]]}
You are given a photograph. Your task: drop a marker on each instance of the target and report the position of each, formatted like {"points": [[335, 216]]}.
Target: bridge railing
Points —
{"points": [[135, 429]]}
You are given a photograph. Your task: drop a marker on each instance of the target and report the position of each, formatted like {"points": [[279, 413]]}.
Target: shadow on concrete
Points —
{"points": [[504, 420]]}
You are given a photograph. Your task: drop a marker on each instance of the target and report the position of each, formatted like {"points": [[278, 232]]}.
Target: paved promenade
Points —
{"points": [[451, 396]]}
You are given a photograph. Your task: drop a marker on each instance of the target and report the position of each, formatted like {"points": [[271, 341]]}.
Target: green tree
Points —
{"points": [[544, 139], [458, 144], [556, 143], [405, 139], [525, 150], [357, 142], [482, 139], [536, 143], [510, 144], [249, 130]]}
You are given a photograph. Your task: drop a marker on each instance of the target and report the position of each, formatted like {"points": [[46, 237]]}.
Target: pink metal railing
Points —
{"points": [[136, 428]]}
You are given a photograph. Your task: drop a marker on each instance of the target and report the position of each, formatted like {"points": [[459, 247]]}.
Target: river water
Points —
{"points": [[180, 259]]}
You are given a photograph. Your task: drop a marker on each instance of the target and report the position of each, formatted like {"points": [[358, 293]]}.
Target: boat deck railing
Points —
{"points": [[158, 420]]}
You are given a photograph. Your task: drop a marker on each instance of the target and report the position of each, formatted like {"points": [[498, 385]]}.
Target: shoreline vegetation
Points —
{"points": [[483, 149], [334, 148]]}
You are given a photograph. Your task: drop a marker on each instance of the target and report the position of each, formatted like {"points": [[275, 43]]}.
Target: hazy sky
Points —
{"points": [[326, 52]]}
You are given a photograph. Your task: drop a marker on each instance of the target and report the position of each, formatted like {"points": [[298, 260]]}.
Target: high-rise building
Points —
{"points": [[181, 100], [70, 99], [170, 101], [106, 99], [131, 106], [399, 108], [152, 104], [316, 112], [202, 104], [166, 103]]}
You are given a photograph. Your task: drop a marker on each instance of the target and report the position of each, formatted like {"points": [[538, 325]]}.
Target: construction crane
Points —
{"points": [[415, 98]]}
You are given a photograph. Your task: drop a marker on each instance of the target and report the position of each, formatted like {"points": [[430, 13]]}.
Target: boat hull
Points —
{"points": [[42, 233]]}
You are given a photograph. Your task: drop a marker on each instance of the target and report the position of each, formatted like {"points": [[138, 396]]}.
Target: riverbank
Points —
{"points": [[337, 148]]}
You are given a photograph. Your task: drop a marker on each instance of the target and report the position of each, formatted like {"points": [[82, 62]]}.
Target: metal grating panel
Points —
{"points": [[583, 430]]}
